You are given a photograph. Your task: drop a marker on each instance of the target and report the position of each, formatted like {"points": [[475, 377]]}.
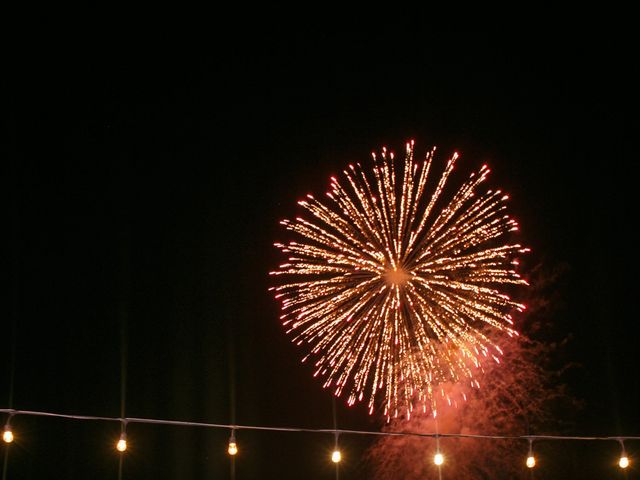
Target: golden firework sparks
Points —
{"points": [[391, 284]]}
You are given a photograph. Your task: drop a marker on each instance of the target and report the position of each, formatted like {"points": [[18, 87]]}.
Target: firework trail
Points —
{"points": [[393, 284]]}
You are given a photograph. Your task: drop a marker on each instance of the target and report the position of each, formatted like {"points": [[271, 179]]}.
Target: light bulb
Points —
{"points": [[336, 456], [7, 436], [438, 459], [233, 447], [624, 461], [121, 446], [531, 461]]}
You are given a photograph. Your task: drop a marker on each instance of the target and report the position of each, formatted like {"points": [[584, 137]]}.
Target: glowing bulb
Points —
{"points": [[438, 459], [233, 446], [232, 449], [624, 461], [531, 461], [336, 456], [121, 446], [7, 436]]}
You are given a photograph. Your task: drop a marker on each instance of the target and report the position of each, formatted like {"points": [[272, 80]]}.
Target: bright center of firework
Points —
{"points": [[397, 276]]}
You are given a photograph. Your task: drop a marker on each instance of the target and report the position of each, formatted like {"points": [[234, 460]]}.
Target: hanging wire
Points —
{"points": [[157, 421], [531, 460], [232, 398], [438, 458], [624, 459], [124, 344], [14, 338], [122, 442], [12, 371], [336, 455]]}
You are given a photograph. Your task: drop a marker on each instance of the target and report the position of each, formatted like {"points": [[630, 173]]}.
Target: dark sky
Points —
{"points": [[144, 187]]}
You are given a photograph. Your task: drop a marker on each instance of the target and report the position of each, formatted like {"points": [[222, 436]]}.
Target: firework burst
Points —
{"points": [[393, 286]]}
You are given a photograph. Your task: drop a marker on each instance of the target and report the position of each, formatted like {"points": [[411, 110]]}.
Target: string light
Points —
{"points": [[121, 446], [336, 456], [233, 446], [624, 459], [438, 458], [7, 435], [531, 460]]}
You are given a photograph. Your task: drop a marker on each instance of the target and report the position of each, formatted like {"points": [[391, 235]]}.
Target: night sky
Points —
{"points": [[143, 189]]}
